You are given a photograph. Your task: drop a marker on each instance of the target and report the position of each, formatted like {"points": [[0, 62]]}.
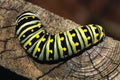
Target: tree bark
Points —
{"points": [[100, 62]]}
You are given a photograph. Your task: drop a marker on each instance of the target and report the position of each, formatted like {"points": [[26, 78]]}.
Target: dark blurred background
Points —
{"points": [[103, 12]]}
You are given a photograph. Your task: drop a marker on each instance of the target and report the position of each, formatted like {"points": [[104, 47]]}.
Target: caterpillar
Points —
{"points": [[53, 47]]}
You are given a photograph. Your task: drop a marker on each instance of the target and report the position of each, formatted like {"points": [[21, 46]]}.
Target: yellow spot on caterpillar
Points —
{"points": [[16, 24], [88, 37], [43, 39], [37, 36], [51, 51], [32, 30], [76, 43], [73, 34], [30, 43], [85, 30], [64, 49], [60, 32], [39, 25], [94, 27], [23, 35], [33, 17], [51, 40], [62, 38], [96, 34], [38, 49]]}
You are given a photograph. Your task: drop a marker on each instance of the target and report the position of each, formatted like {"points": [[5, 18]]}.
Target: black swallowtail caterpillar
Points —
{"points": [[53, 47]]}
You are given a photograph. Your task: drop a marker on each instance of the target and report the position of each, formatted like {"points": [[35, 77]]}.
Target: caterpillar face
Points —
{"points": [[48, 47], [101, 32], [98, 32]]}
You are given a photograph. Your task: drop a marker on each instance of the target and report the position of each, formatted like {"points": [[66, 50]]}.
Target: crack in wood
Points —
{"points": [[9, 9], [50, 70], [9, 26], [94, 66]]}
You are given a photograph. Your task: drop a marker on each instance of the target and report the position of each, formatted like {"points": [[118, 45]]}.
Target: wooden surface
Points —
{"points": [[100, 62]]}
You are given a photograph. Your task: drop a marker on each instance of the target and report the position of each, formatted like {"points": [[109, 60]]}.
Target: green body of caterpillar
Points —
{"points": [[47, 47]]}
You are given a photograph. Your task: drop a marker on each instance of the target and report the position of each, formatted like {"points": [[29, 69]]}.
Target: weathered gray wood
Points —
{"points": [[100, 62]]}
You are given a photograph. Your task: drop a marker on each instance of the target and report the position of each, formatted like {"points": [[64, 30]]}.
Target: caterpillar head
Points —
{"points": [[98, 32], [101, 32]]}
